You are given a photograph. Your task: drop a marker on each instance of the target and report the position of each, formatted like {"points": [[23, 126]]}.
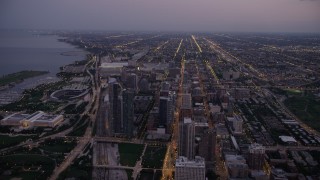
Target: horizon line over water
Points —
{"points": [[22, 50]]}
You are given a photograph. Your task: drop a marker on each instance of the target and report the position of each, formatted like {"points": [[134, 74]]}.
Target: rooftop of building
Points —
{"points": [[230, 158], [113, 64], [201, 124], [16, 117], [47, 117], [143, 98], [187, 120], [185, 162], [287, 139]]}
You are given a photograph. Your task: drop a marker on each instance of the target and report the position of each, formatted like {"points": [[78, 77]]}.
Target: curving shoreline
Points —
{"points": [[13, 78]]}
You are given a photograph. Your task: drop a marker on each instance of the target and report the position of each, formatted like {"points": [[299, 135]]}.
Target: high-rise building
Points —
{"points": [[186, 101], [128, 111], [186, 106], [115, 107], [165, 88], [144, 85], [132, 81], [207, 144], [236, 124], [236, 167], [165, 111], [186, 138], [256, 156], [190, 169]]}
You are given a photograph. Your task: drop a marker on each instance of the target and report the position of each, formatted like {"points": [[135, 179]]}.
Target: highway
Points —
{"points": [[72, 155], [87, 136]]}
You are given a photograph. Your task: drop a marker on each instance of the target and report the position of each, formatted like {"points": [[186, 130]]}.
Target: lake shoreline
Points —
{"points": [[18, 77]]}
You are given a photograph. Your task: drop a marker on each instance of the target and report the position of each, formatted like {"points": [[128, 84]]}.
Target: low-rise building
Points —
{"points": [[236, 167], [37, 119], [190, 169]]}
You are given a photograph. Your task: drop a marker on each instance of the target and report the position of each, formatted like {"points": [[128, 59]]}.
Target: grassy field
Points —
{"points": [[153, 157], [148, 174], [58, 145], [7, 141], [81, 168], [80, 130], [20, 76], [130, 153], [306, 108], [129, 174], [26, 166], [73, 172]]}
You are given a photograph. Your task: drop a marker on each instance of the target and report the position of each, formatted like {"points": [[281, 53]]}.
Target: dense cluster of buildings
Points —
{"points": [[210, 104]]}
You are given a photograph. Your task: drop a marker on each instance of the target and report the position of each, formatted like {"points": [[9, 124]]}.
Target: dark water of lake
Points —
{"points": [[21, 50]]}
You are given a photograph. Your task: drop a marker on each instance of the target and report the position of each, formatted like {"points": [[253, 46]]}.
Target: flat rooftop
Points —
{"points": [[114, 64], [16, 117], [185, 162], [47, 117]]}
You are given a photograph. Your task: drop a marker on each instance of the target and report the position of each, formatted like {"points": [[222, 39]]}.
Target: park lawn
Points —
{"points": [[146, 175], [129, 153], [59, 146], [7, 141], [81, 168], [306, 108], [22, 174], [79, 131], [63, 148], [153, 157], [72, 172], [129, 174], [80, 128], [16, 163]]}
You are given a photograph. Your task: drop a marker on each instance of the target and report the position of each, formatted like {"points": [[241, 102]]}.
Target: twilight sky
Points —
{"points": [[163, 15]]}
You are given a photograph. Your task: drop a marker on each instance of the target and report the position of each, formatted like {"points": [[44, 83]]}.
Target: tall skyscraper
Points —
{"points": [[128, 111], [132, 81], [256, 156], [186, 138], [144, 85], [165, 88], [190, 169], [165, 111], [115, 107], [235, 124], [237, 167], [186, 106], [207, 144]]}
